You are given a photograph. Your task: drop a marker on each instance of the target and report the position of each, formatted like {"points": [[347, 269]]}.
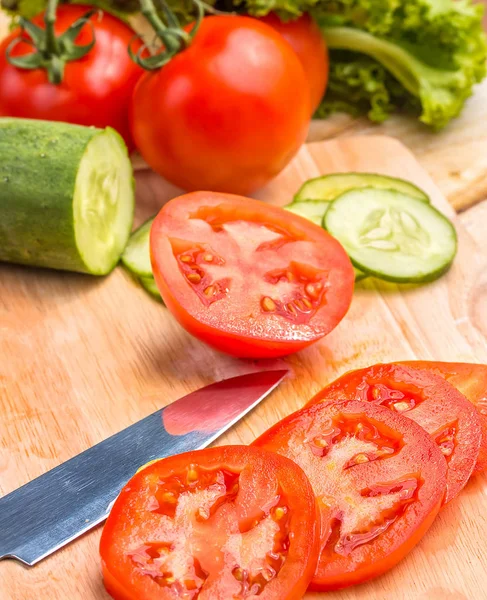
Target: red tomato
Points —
{"points": [[379, 479], [221, 523], [96, 89], [228, 113], [429, 400], [307, 41], [471, 380], [250, 279]]}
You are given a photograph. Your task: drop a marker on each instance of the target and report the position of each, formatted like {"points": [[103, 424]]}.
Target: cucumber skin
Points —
{"points": [[39, 161]]}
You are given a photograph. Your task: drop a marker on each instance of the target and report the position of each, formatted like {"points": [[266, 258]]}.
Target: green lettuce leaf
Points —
{"points": [[441, 91], [360, 85]]}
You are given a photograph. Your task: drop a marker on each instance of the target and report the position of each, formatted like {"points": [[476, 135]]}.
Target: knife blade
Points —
{"points": [[57, 507]]}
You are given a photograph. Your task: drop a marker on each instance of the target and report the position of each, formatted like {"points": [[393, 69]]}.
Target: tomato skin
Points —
{"points": [[261, 475], [470, 380], [96, 89], [228, 113], [436, 404], [306, 39], [417, 456], [236, 323]]}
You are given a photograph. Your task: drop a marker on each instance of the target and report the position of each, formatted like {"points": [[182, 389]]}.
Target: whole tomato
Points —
{"points": [[95, 90], [307, 41], [226, 114]]}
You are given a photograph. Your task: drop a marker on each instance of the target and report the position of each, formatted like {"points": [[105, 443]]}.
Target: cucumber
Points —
{"points": [[66, 196], [136, 256], [313, 210], [329, 187], [149, 285], [392, 235], [359, 275]]}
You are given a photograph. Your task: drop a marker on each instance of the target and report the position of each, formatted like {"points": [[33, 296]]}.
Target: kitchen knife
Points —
{"points": [[42, 516]]}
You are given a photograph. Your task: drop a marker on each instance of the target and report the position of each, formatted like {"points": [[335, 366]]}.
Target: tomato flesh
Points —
{"points": [[96, 89], [248, 278], [437, 406], [470, 380], [228, 113], [231, 522], [306, 39], [379, 480]]}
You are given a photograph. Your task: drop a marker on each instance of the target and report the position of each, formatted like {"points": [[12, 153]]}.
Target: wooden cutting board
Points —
{"points": [[81, 358]]}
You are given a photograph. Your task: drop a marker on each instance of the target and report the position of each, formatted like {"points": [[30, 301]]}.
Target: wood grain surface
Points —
{"points": [[82, 358], [456, 157]]}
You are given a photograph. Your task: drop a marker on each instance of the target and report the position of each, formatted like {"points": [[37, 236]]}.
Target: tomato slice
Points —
{"points": [[379, 479], [471, 381], [248, 278], [427, 399], [229, 522]]}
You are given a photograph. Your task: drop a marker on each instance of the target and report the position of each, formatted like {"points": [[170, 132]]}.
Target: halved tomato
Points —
{"points": [[379, 479], [248, 278], [427, 399], [471, 381], [228, 522]]}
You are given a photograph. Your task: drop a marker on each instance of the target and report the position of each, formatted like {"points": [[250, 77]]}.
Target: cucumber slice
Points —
{"points": [[329, 187], [392, 235], [149, 285], [313, 210], [136, 256], [359, 275], [66, 195]]}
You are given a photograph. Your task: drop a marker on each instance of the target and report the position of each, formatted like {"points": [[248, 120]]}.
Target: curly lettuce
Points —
{"points": [[423, 56], [359, 85]]}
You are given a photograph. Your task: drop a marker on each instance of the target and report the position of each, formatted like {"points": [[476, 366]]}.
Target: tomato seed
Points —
{"points": [[208, 257], [210, 290], [268, 304], [238, 573], [300, 304], [361, 458], [169, 498], [290, 276], [446, 451], [279, 513], [307, 303], [375, 393], [401, 406], [320, 442], [313, 289], [268, 573], [186, 258], [192, 475], [194, 277], [203, 514], [292, 309]]}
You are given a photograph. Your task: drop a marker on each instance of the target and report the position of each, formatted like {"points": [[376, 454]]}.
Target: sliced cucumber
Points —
{"points": [[329, 187], [392, 235], [66, 195], [136, 256], [313, 210], [359, 275], [149, 285]]}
